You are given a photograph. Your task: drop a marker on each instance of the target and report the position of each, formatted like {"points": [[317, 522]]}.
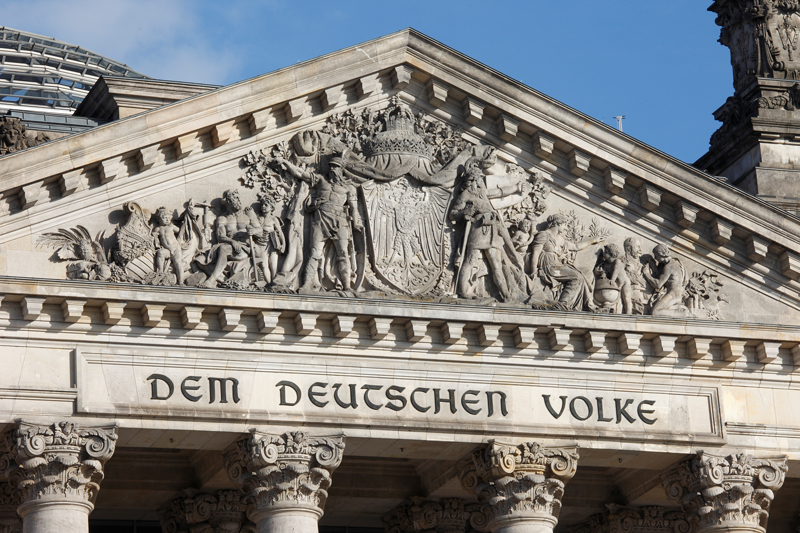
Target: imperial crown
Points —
{"points": [[399, 135]]}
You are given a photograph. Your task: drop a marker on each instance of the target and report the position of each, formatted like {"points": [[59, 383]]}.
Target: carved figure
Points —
{"points": [[77, 245], [667, 281], [232, 231], [335, 208], [633, 269], [486, 237], [551, 261], [270, 243], [12, 135], [523, 235], [612, 286], [167, 245]]}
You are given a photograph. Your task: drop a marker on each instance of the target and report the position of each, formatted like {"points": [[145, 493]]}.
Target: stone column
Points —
{"points": [[519, 486], [725, 494], [195, 512], [449, 515], [286, 478], [58, 469]]}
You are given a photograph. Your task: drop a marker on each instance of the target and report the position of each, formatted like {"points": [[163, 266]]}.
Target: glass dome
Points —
{"points": [[43, 74]]}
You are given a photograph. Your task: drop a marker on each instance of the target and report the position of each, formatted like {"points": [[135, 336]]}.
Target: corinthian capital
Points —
{"points": [[291, 471], [59, 462], [516, 482], [223, 512], [648, 519], [449, 515], [732, 491]]}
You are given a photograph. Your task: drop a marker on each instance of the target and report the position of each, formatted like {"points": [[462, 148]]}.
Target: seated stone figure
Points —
{"points": [[233, 231]]}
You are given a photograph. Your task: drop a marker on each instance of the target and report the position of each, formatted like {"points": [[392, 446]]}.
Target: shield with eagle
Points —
{"points": [[406, 229]]}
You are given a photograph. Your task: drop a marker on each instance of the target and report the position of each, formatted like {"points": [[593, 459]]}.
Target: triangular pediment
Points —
{"points": [[413, 122]]}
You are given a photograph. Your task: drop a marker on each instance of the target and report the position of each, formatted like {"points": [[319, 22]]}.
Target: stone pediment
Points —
{"points": [[397, 169]]}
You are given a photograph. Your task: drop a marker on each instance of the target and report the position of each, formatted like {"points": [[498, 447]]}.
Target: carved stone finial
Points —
{"points": [[449, 515], [725, 491], [223, 512], [761, 37], [57, 463], [518, 482], [648, 519], [291, 471]]}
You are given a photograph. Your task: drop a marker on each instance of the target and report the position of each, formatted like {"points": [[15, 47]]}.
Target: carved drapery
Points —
{"points": [[648, 519], [721, 492], [291, 471], [449, 515], [223, 512], [518, 482]]}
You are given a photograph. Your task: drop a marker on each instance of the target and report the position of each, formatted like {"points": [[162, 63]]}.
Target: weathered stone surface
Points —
{"points": [[518, 484], [733, 492]]}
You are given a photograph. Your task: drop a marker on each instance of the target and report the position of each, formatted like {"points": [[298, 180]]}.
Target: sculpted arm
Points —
{"points": [[294, 170], [658, 282], [353, 203]]}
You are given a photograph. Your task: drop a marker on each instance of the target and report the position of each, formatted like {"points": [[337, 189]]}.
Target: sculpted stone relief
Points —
{"points": [[390, 204], [14, 136]]}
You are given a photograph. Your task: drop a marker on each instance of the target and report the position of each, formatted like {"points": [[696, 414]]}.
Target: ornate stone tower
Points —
{"points": [[757, 148]]}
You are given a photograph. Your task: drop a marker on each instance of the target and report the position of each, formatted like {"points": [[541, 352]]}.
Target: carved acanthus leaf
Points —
{"points": [[715, 490]]}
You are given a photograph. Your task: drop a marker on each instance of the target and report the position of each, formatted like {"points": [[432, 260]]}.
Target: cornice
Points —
{"points": [[439, 326], [240, 102]]}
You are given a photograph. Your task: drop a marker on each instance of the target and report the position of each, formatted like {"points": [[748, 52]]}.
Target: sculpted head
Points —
{"points": [[163, 216], [336, 169], [632, 247], [558, 220], [84, 250], [526, 225], [611, 252], [231, 200], [662, 253]]}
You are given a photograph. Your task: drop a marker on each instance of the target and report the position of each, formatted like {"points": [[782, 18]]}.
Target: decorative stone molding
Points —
{"points": [[58, 463], [518, 482], [223, 512], [449, 515], [725, 492], [649, 519], [287, 472]]}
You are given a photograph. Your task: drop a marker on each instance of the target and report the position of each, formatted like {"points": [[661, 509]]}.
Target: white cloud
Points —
{"points": [[159, 38]]}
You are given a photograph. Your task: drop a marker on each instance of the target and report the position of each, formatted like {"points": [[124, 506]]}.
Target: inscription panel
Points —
{"points": [[409, 399]]}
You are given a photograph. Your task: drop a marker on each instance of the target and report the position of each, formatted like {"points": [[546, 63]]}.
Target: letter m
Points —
{"points": [[223, 389]]}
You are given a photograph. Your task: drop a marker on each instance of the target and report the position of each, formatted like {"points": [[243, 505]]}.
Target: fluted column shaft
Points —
{"points": [[285, 478], [57, 469], [519, 486], [725, 494]]}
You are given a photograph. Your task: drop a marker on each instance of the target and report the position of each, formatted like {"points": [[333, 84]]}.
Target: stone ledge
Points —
{"points": [[223, 312]]}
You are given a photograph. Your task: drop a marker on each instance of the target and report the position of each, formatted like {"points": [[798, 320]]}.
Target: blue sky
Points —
{"points": [[657, 63]]}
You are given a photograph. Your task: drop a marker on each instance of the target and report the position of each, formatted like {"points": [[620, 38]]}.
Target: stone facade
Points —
{"points": [[390, 287]]}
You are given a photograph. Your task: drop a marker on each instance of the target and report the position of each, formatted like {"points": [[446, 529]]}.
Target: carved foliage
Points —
{"points": [[61, 460], [736, 489], [223, 512], [291, 470], [450, 515], [518, 480]]}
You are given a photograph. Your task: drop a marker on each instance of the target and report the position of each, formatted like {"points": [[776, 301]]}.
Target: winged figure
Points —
{"points": [[77, 245]]}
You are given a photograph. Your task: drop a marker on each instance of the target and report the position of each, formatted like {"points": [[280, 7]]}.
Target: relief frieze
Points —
{"points": [[389, 204]]}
